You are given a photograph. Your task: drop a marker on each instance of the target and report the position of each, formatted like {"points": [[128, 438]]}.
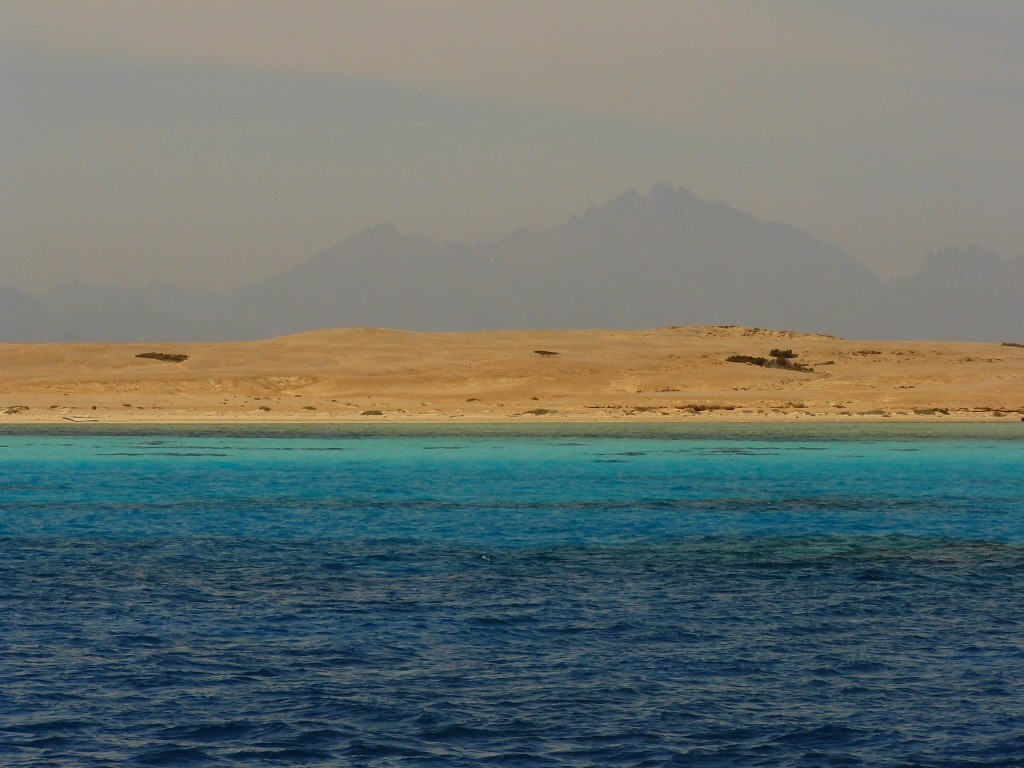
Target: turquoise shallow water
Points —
{"points": [[665, 595]]}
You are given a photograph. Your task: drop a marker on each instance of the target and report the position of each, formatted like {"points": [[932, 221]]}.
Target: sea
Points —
{"points": [[588, 595]]}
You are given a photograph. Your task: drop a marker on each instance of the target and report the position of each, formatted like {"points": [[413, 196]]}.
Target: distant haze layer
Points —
{"points": [[212, 145], [639, 261]]}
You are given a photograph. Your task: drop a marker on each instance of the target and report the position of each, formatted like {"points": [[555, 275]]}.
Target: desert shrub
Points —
{"points": [[1012, 344], [372, 413], [780, 358], [164, 356], [799, 367], [538, 412], [544, 352], [748, 359]]}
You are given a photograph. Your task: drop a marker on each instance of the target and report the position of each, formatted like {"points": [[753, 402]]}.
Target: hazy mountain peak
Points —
{"points": [[665, 191], [384, 232], [664, 258], [375, 236], [958, 264], [664, 201], [971, 254], [623, 203]]}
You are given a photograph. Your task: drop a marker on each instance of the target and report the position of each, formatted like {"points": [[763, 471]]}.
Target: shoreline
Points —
{"points": [[455, 420]]}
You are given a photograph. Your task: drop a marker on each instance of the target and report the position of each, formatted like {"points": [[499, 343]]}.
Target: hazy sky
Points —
{"points": [[213, 143]]}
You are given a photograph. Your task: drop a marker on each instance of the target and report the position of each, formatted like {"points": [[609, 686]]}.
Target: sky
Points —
{"points": [[210, 144]]}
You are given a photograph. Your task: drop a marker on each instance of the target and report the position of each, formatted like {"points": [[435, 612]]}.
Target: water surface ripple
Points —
{"points": [[712, 598]]}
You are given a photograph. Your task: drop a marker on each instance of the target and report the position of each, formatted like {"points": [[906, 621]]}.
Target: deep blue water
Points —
{"points": [[709, 596]]}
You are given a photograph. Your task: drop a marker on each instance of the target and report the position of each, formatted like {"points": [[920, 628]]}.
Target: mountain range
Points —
{"points": [[639, 261]]}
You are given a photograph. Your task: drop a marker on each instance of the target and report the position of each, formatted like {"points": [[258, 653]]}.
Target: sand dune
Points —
{"points": [[666, 374]]}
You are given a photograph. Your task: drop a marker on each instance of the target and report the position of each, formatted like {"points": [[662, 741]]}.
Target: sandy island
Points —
{"points": [[376, 375]]}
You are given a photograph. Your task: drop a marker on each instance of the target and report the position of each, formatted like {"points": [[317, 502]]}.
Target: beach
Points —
{"points": [[365, 375]]}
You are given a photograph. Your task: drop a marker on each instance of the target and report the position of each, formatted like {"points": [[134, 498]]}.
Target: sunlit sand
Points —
{"points": [[377, 375]]}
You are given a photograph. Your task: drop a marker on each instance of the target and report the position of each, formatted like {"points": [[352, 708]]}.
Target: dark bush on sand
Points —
{"points": [[780, 358], [164, 356]]}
